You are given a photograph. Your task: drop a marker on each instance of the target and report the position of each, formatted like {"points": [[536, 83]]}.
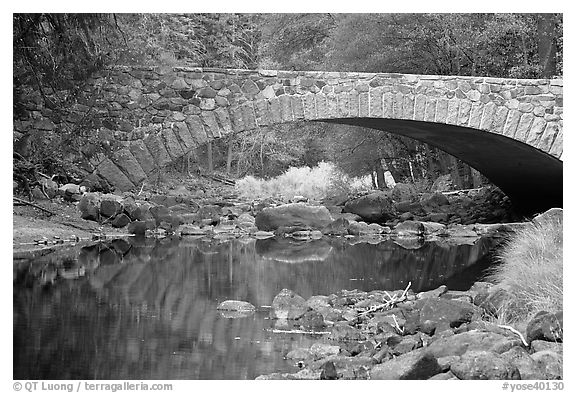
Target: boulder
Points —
{"points": [[444, 314], [337, 227], [546, 326], [528, 367], [321, 350], [311, 319], [236, 305], [442, 183], [541, 345], [433, 228], [550, 363], [328, 371], [293, 215], [484, 365], [409, 228], [404, 192], [209, 212], [554, 215], [288, 305], [374, 207], [418, 364], [120, 221], [89, 206], [474, 340], [137, 228], [433, 201], [69, 189], [110, 206], [319, 303], [344, 332], [299, 354]]}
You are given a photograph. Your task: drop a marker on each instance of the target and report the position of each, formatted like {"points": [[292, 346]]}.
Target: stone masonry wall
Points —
{"points": [[154, 115]]}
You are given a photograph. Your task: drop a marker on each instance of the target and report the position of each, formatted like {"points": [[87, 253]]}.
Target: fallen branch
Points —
{"points": [[33, 205], [515, 331], [459, 191], [295, 331], [391, 302]]}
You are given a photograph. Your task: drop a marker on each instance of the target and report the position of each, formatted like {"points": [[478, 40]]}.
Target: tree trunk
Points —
{"points": [[209, 158], [456, 178], [380, 177], [229, 155], [546, 45]]}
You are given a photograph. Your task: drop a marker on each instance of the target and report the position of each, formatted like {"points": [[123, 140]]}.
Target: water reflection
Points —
{"points": [[146, 309]]}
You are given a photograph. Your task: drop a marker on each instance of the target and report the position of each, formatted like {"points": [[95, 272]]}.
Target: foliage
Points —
{"points": [[58, 52], [315, 183], [295, 41], [205, 40], [530, 269]]}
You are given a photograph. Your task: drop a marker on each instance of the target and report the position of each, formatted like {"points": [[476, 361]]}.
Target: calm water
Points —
{"points": [[146, 309]]}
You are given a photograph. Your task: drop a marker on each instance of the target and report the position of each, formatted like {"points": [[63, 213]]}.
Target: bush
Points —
{"points": [[530, 269], [313, 183]]}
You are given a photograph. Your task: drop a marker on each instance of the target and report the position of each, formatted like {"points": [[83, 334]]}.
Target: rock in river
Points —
{"points": [[374, 207], [293, 215], [235, 309]]}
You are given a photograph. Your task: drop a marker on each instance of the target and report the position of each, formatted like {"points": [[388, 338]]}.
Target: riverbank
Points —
{"points": [[439, 334]]}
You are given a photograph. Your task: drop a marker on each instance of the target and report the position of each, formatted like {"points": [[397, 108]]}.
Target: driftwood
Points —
{"points": [[22, 201], [459, 191], [295, 331], [390, 303]]}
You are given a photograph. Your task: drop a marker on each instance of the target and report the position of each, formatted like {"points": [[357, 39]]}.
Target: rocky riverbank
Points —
{"points": [[440, 334]]}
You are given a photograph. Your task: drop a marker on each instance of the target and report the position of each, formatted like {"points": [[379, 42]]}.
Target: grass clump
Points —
{"points": [[530, 270]]}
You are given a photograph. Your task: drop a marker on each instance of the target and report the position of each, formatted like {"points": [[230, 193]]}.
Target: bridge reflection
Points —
{"points": [[147, 309]]}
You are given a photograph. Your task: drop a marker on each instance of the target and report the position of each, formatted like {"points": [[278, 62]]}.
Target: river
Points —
{"points": [[146, 308]]}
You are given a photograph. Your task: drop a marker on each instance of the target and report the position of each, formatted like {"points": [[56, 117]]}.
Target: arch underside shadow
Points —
{"points": [[530, 177]]}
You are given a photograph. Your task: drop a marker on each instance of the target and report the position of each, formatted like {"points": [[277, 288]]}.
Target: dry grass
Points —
{"points": [[530, 269]]}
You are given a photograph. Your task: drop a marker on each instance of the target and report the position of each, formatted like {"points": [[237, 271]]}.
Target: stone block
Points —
{"points": [[157, 149], [419, 107], [297, 107], [286, 108], [397, 112], [430, 113], [408, 107], [210, 125], [500, 119], [124, 159], [376, 102], [524, 126], [475, 115], [114, 176], [512, 123], [309, 104], [171, 143], [223, 119], [488, 116], [363, 105], [196, 128], [321, 106], [547, 138], [332, 101]]}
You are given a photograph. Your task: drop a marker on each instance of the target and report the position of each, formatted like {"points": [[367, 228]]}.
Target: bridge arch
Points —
{"points": [[508, 129]]}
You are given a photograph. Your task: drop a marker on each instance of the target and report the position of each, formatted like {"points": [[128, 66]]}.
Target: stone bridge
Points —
{"points": [[508, 129]]}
